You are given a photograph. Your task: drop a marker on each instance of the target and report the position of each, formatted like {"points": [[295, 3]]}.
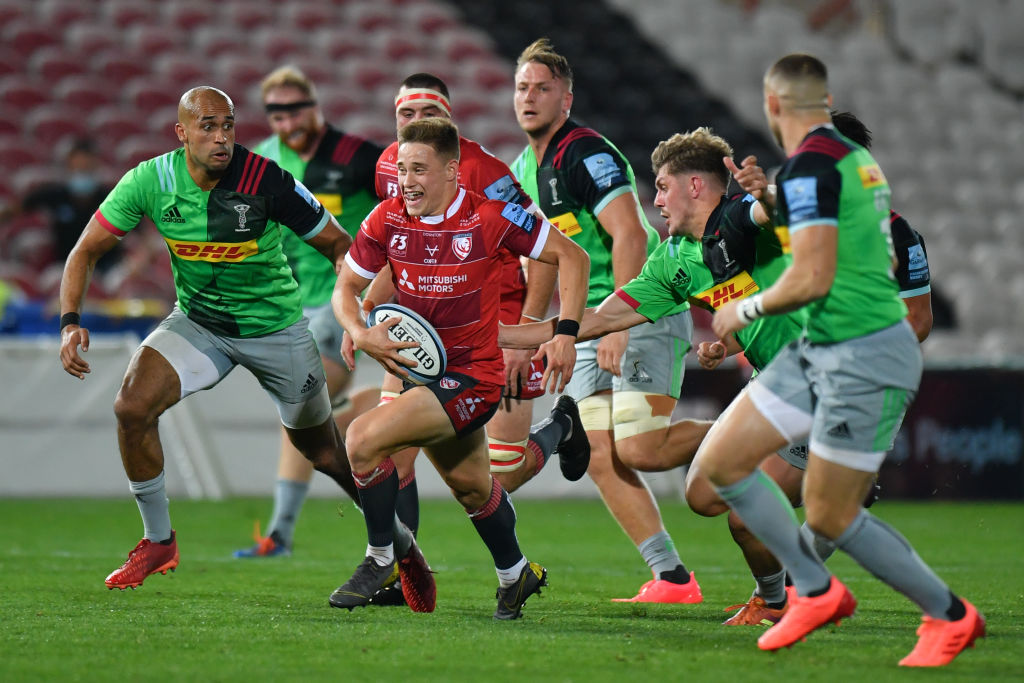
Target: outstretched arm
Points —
{"points": [[573, 275], [94, 242]]}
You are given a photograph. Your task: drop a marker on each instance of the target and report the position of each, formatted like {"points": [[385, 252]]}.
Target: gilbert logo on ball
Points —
{"points": [[430, 355]]}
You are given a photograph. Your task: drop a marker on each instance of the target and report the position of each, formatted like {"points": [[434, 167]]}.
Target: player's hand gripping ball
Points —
{"points": [[430, 354]]}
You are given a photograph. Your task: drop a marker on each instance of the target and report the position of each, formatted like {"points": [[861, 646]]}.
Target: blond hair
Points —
{"points": [[543, 52], [698, 151], [288, 76]]}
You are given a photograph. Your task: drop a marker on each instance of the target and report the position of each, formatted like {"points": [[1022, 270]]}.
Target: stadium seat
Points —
{"points": [[10, 124], [277, 45], [88, 40], [83, 95], [11, 61], [22, 92], [135, 149], [152, 40], [121, 67], [52, 124], [26, 36], [368, 73], [369, 16], [180, 71], [487, 74], [215, 41], [306, 16], [54, 63], [151, 96], [237, 74], [13, 11], [249, 15], [338, 43], [190, 15], [117, 121], [18, 152], [460, 44], [63, 14], [125, 13], [430, 17]]}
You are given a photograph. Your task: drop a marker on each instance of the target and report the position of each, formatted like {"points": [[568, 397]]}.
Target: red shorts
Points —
{"points": [[533, 388], [468, 402]]}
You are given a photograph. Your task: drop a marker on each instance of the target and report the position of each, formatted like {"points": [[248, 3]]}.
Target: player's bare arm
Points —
{"points": [[621, 219], [573, 276], [332, 242], [807, 279], [94, 243], [919, 314], [374, 341]]}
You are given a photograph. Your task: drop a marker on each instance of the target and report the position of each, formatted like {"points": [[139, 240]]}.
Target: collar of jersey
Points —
{"points": [[452, 209]]}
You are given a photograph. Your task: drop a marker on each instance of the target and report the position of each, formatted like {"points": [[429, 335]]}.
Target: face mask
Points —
{"points": [[82, 184]]}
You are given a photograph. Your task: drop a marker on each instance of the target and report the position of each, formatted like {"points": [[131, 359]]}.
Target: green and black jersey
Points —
{"points": [[581, 173], [229, 271], [341, 176], [734, 259], [912, 273], [831, 180]]}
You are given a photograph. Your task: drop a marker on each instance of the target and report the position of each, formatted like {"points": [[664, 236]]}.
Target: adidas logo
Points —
{"points": [[172, 215], [840, 431], [309, 385]]}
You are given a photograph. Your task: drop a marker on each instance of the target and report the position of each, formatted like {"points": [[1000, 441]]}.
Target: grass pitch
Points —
{"points": [[221, 619]]}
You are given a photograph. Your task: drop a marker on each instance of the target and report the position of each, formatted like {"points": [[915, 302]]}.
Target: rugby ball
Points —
{"points": [[430, 354]]}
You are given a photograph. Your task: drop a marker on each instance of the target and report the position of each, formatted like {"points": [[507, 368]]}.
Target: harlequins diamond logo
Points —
{"points": [[172, 215]]}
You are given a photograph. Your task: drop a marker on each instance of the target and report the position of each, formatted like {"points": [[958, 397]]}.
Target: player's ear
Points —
{"points": [[179, 130], [452, 169]]}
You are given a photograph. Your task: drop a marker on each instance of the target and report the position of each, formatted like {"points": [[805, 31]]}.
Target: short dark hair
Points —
{"points": [[425, 80], [852, 127], [437, 132], [799, 65]]}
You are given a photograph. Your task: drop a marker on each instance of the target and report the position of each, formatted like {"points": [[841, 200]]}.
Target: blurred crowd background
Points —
{"points": [[88, 88]]}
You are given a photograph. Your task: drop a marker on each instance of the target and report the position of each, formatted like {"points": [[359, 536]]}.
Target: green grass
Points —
{"points": [[220, 619]]}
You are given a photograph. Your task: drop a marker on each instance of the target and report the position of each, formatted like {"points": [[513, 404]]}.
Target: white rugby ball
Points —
{"points": [[430, 354]]}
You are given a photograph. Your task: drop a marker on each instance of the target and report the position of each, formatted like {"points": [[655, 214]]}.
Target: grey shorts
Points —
{"points": [[847, 399], [286, 364], [652, 363], [326, 331]]}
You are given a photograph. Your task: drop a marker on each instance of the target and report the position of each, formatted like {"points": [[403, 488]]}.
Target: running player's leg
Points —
{"points": [[408, 503], [767, 603], [645, 393], [166, 367]]}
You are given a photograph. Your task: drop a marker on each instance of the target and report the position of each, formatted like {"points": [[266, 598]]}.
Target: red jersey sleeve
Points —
{"points": [[482, 172], [368, 253]]}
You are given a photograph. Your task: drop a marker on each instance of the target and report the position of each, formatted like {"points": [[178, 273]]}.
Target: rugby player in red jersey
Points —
{"points": [[444, 246]]}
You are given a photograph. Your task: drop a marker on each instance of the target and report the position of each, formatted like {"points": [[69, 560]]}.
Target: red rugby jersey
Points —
{"points": [[446, 269], [481, 172]]}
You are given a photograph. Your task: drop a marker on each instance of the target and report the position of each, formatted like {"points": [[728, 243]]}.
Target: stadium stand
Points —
{"points": [[115, 68]]}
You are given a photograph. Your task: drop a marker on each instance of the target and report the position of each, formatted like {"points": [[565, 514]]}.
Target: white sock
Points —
{"points": [[383, 555], [507, 577]]}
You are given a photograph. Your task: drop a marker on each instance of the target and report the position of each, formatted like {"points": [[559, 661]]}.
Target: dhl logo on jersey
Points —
{"points": [[782, 232], [331, 202], [567, 224], [871, 176], [738, 287], [215, 252]]}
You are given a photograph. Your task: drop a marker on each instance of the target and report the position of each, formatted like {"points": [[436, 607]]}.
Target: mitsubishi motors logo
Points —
{"points": [[404, 281]]}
